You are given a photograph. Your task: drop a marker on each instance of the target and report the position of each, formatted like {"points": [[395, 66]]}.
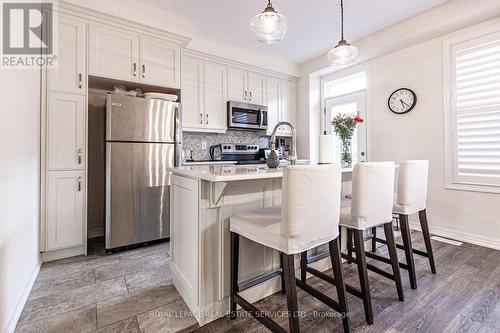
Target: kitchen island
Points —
{"points": [[203, 198]]}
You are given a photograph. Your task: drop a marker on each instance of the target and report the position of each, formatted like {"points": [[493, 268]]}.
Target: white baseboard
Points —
{"points": [[94, 233], [12, 322], [489, 242]]}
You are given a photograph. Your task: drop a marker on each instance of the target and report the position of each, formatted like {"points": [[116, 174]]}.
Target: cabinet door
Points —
{"points": [[65, 209], [113, 54], [287, 105], [160, 62], [215, 94], [192, 93], [237, 81], [273, 103], [70, 74], [65, 131], [256, 89]]}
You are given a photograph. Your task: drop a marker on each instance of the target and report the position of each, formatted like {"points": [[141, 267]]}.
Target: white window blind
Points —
{"points": [[476, 111]]}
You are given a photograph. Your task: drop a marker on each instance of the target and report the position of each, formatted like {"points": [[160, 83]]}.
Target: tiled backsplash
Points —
{"points": [[193, 141]]}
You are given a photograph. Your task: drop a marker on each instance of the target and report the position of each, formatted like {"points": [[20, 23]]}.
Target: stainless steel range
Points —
{"points": [[241, 153]]}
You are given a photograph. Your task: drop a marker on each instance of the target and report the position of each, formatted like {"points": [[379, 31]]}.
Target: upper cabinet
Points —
{"points": [[160, 62], [70, 75], [281, 105], [124, 55], [113, 53], [245, 86], [204, 95]]}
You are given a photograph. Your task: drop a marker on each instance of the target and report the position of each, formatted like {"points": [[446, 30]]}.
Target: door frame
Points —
{"points": [[359, 97]]}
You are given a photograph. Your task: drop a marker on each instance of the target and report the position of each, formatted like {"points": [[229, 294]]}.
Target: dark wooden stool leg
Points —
{"points": [[363, 274], [235, 251], [405, 234], [334, 246], [349, 244], [374, 240], [303, 266], [422, 215], [291, 292], [282, 274], [393, 255]]}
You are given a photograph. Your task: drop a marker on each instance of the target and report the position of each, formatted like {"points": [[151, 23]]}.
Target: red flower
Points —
{"points": [[358, 119]]}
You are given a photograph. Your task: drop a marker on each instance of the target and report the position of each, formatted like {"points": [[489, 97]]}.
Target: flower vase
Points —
{"points": [[346, 153]]}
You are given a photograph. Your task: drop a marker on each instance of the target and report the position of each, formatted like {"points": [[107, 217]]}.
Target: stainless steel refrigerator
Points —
{"points": [[143, 140]]}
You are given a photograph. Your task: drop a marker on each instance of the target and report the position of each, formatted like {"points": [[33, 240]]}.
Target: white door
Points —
{"points": [[272, 92], [70, 74], [160, 62], [287, 106], [215, 96], [256, 88], [237, 81], [65, 209], [192, 93], [65, 131], [113, 53], [350, 104]]}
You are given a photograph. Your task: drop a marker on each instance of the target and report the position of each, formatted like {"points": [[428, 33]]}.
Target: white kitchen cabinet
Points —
{"points": [[273, 103], [256, 88], [159, 62], [287, 106], [65, 119], [70, 74], [113, 53], [215, 96], [192, 93], [237, 85], [65, 202]]}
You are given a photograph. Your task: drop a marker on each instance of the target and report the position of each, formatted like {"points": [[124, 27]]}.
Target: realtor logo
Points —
{"points": [[27, 34]]}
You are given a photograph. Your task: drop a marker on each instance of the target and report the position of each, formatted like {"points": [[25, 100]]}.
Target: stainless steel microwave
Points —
{"points": [[246, 116]]}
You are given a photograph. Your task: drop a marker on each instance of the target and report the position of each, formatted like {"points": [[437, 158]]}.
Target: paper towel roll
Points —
{"points": [[326, 149]]}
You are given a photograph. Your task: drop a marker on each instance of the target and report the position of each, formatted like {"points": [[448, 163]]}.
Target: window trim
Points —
{"points": [[450, 109]]}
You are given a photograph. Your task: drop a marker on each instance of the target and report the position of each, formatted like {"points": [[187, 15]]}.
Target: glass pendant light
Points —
{"points": [[344, 53], [269, 26]]}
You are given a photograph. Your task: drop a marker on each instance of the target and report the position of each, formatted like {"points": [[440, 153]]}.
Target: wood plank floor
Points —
{"points": [[464, 296]]}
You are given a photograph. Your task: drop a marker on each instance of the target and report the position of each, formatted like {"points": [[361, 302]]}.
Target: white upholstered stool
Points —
{"points": [[308, 217], [371, 206], [412, 199]]}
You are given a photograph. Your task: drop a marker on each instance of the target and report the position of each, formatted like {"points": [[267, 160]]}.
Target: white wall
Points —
{"points": [[19, 188], [469, 216]]}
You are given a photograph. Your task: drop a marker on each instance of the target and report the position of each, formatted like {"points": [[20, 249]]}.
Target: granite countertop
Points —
{"points": [[228, 173]]}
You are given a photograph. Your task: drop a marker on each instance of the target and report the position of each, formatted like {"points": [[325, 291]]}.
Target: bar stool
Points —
{"points": [[309, 217], [411, 199], [371, 206]]}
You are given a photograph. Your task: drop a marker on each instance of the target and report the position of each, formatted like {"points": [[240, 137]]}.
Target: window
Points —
{"points": [[473, 160], [346, 95]]}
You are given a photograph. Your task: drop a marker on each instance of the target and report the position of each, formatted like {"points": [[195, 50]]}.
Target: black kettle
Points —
{"points": [[215, 152]]}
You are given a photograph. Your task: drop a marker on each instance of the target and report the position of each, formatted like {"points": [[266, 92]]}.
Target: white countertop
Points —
{"points": [[228, 173]]}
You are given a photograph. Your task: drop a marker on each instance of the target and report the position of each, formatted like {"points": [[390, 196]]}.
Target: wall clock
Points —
{"points": [[402, 101]]}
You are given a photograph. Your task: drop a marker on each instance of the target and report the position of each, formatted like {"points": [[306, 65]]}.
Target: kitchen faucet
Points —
{"points": [[292, 157]]}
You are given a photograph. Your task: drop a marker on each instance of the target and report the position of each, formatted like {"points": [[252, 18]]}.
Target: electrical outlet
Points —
{"points": [[203, 145]]}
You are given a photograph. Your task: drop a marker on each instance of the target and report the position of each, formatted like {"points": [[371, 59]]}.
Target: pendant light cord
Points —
{"points": [[342, 19]]}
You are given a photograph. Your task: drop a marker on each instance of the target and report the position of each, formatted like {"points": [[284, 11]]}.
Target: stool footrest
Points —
{"points": [[318, 257], [330, 279], [259, 279], [261, 316], [372, 268], [320, 296], [401, 247]]}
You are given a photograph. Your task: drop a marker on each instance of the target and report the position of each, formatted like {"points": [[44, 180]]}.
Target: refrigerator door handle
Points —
{"points": [[178, 134]]}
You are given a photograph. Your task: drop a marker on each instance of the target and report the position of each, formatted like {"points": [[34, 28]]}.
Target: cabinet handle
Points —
{"points": [[79, 184], [135, 69], [80, 80], [246, 95], [206, 118], [79, 155], [143, 70], [250, 94], [201, 118]]}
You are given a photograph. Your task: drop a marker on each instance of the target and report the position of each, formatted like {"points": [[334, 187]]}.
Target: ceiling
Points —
{"points": [[313, 25]]}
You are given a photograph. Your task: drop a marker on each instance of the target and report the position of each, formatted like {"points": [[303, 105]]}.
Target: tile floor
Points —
{"points": [[107, 293]]}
